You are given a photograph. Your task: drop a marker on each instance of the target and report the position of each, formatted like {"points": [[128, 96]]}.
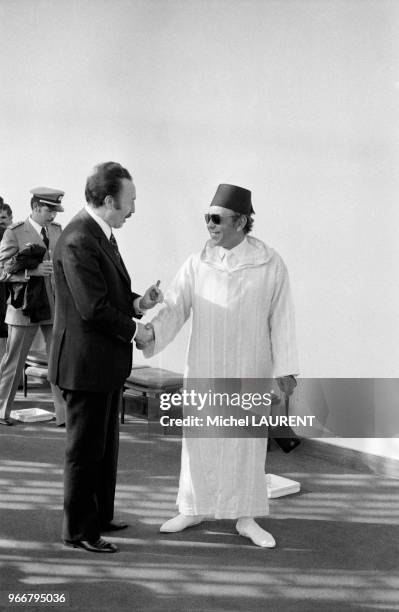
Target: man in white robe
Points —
{"points": [[242, 327]]}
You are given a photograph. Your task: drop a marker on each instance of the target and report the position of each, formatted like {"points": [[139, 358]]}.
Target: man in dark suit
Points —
{"points": [[91, 353]]}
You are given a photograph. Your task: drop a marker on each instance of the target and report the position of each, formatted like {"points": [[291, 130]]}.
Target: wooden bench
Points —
{"points": [[36, 365]]}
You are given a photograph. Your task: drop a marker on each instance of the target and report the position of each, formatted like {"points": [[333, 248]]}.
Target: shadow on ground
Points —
{"points": [[337, 540]]}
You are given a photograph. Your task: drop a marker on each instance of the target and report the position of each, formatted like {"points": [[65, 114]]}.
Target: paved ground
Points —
{"points": [[337, 539]]}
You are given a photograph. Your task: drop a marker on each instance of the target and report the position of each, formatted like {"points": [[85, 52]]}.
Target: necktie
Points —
{"points": [[45, 237], [114, 245]]}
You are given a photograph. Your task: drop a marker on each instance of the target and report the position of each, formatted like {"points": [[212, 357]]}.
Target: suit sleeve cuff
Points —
{"points": [[136, 306]]}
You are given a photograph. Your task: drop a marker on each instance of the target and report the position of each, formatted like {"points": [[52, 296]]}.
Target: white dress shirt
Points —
{"points": [[37, 227]]}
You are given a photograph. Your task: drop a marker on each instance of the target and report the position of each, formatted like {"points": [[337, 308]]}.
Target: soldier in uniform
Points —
{"points": [[38, 229], [5, 221]]}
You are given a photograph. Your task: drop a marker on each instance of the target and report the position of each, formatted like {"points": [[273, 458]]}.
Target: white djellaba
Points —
{"points": [[242, 328]]}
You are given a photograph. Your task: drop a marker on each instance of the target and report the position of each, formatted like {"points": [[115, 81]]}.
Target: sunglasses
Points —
{"points": [[217, 219]]}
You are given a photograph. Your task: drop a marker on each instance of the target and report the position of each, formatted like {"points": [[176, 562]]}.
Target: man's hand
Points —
{"points": [[287, 384], [145, 335], [43, 269], [152, 296]]}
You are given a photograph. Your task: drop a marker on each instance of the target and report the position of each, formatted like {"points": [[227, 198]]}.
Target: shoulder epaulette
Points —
{"points": [[14, 225]]}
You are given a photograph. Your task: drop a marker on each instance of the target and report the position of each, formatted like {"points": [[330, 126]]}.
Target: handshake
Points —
{"points": [[145, 335]]}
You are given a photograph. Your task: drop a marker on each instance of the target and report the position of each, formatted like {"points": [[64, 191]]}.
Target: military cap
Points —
{"points": [[234, 198], [48, 197]]}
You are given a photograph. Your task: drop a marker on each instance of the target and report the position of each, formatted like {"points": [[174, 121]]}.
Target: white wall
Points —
{"points": [[296, 100]]}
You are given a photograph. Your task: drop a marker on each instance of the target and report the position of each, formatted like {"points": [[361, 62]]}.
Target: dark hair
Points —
{"points": [[105, 180], [249, 223], [6, 207]]}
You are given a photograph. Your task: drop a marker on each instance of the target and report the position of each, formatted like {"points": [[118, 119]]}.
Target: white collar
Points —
{"points": [[250, 252], [103, 224], [236, 252], [36, 226]]}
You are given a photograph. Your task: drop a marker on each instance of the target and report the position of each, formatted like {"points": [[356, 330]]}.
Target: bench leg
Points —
{"points": [[25, 383]]}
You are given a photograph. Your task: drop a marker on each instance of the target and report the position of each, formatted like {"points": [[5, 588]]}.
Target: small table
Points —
{"points": [[145, 385]]}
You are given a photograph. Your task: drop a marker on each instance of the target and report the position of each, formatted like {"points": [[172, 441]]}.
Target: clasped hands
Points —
{"points": [[145, 335]]}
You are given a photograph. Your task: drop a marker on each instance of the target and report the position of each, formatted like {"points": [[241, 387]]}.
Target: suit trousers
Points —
{"points": [[3, 344], [91, 460], [19, 341]]}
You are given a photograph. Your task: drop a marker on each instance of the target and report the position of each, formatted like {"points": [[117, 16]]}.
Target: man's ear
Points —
{"points": [[241, 223], [109, 201]]}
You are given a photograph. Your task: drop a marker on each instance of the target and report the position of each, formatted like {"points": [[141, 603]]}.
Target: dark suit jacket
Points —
{"points": [[93, 327], [31, 297]]}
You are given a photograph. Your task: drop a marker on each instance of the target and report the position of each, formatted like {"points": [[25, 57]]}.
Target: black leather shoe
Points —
{"points": [[114, 526], [6, 422], [101, 546]]}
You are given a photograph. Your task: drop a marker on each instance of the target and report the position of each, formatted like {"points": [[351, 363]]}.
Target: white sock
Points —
{"points": [[247, 528]]}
